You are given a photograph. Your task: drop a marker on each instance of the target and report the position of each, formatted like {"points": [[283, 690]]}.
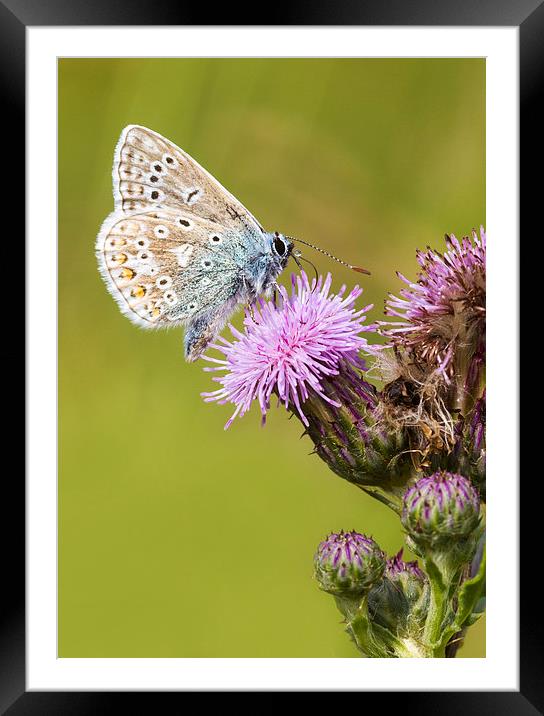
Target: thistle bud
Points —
{"points": [[406, 576], [440, 508], [399, 601], [348, 564]]}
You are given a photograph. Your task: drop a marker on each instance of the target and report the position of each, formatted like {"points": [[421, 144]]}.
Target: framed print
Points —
{"points": [[172, 544]]}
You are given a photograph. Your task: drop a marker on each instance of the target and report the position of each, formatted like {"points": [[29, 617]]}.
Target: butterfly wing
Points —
{"points": [[168, 267], [149, 171]]}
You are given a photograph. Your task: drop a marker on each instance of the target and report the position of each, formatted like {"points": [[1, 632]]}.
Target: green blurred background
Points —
{"points": [[177, 539]]}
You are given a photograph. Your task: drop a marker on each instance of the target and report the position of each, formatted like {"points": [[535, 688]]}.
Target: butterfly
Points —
{"points": [[179, 249]]}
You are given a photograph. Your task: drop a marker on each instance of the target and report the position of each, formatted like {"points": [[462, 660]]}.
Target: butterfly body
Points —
{"points": [[178, 248]]}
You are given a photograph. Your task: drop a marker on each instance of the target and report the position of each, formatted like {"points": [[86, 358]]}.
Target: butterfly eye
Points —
{"points": [[279, 246]]}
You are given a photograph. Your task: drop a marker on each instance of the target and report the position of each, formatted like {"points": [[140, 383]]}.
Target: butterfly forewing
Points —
{"points": [[150, 171]]}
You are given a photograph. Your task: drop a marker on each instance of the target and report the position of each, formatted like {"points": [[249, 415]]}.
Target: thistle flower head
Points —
{"points": [[436, 372], [442, 507], [291, 348], [444, 307], [348, 563]]}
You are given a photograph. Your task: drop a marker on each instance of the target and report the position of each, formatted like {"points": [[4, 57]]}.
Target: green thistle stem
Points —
{"points": [[439, 587], [388, 499], [411, 649], [452, 600], [375, 641]]}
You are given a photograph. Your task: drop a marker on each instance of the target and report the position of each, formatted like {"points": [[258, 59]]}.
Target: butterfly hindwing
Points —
{"points": [[162, 266]]}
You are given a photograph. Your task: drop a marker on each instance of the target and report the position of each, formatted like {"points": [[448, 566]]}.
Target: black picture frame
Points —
{"points": [[15, 16]]}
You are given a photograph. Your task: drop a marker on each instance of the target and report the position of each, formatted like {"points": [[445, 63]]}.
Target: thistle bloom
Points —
{"points": [[442, 314], [437, 369], [441, 507], [348, 564], [307, 351], [291, 349]]}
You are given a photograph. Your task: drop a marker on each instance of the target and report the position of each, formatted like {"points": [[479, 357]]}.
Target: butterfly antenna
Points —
{"points": [[297, 258], [359, 269]]}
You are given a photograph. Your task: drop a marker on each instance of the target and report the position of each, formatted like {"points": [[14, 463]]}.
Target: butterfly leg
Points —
{"points": [[275, 294], [249, 309], [249, 302]]}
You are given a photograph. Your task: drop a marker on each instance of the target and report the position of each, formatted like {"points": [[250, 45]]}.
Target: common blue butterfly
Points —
{"points": [[178, 248]]}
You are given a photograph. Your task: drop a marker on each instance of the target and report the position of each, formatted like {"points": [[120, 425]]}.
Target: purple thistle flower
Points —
{"points": [[436, 372], [442, 314], [348, 563], [291, 349], [442, 506]]}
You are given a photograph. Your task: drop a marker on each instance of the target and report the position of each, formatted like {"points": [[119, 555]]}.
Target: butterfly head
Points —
{"points": [[281, 248]]}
